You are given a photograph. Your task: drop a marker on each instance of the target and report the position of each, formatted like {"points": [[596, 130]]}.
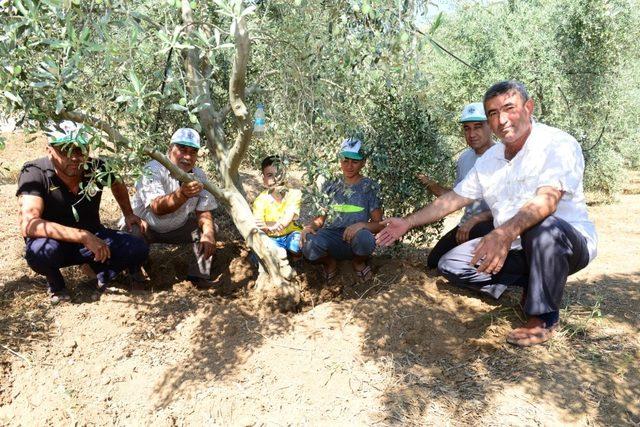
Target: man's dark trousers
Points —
{"points": [[46, 256], [551, 251], [448, 241]]}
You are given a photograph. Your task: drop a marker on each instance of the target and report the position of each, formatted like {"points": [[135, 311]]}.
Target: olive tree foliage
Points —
{"points": [[343, 69], [113, 64], [578, 58], [136, 71]]}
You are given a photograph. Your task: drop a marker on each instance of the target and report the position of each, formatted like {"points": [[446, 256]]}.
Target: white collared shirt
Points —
{"points": [[549, 157], [158, 182]]}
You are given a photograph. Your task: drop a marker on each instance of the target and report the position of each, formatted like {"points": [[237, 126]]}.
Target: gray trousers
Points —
{"points": [[199, 267], [551, 251]]}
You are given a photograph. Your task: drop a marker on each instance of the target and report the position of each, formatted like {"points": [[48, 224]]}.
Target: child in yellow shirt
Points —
{"points": [[277, 208]]}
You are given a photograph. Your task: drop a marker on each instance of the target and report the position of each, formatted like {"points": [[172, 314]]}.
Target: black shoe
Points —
{"points": [[201, 283]]}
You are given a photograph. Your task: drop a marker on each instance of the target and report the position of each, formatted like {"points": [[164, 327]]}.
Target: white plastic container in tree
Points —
{"points": [[259, 121]]}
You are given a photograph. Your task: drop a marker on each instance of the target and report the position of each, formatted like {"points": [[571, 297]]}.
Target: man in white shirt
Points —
{"points": [[532, 182], [179, 213], [476, 221]]}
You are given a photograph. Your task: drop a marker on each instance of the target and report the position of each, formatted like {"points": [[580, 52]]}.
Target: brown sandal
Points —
{"points": [[533, 333]]}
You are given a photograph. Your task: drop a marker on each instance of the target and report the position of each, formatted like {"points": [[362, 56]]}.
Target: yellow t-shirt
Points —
{"points": [[267, 209]]}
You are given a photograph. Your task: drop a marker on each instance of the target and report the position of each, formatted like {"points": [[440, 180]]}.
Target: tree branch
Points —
{"points": [[237, 84], [117, 138], [199, 89]]}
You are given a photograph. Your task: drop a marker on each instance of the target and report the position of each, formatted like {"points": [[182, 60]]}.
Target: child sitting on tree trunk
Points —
{"points": [[277, 208]]}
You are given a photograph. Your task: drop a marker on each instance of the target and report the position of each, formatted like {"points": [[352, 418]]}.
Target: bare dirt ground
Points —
{"points": [[407, 349]]}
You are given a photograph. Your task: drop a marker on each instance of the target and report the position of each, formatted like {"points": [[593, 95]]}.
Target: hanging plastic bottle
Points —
{"points": [[259, 121]]}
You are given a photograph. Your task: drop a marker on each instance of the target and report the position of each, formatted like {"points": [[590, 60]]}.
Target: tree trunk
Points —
{"points": [[276, 284]]}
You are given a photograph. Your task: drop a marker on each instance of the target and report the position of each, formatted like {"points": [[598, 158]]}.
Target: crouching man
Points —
{"points": [[179, 213], [59, 197], [532, 182]]}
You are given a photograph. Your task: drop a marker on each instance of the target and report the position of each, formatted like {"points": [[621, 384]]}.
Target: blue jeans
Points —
{"points": [[290, 242], [329, 242], [46, 256]]}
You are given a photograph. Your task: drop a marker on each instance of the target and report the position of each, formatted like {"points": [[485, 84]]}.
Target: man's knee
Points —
{"points": [[43, 250], [363, 243], [312, 250], [544, 235]]}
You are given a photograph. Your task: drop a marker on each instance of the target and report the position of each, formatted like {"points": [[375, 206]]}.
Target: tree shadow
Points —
{"points": [[447, 350]]}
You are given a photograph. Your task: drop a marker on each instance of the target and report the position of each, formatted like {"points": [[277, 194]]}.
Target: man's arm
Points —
{"points": [[435, 188], [208, 233], [494, 247], [462, 235], [32, 225], [171, 202], [121, 194], [312, 227], [374, 225], [439, 208]]}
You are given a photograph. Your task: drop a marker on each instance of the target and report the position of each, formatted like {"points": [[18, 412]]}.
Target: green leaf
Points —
{"points": [[74, 211], [436, 23], [59, 101], [178, 107], [15, 98]]}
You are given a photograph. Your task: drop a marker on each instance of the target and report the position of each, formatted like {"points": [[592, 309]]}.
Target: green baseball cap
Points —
{"points": [[351, 148], [473, 112]]}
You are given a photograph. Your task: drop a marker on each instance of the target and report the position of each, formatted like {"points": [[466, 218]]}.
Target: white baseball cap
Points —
{"points": [[473, 112], [186, 136]]}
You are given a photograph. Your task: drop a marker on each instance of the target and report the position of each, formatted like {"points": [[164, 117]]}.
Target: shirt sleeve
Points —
{"points": [[563, 167], [149, 186], [206, 201], [469, 187], [374, 200], [31, 181]]}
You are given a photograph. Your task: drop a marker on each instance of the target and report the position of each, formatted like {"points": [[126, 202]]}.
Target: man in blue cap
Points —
{"points": [[477, 220], [59, 197], [533, 182], [179, 213]]}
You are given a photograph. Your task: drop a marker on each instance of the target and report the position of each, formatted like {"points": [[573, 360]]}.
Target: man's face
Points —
{"points": [[182, 156], [477, 135], [509, 116], [67, 160], [269, 176], [351, 168]]}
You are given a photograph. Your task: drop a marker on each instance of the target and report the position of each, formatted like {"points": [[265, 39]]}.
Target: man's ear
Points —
{"points": [[529, 105]]}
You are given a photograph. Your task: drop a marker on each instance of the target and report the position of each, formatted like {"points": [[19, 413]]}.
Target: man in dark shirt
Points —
{"points": [[59, 197]]}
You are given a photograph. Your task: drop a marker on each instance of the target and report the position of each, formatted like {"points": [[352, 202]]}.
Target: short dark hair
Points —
{"points": [[504, 87], [268, 161]]}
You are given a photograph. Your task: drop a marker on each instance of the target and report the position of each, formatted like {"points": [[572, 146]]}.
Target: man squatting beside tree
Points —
{"points": [[60, 214], [477, 220], [179, 213], [532, 182]]}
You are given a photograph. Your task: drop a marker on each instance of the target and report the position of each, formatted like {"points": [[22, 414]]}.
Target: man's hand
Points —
{"points": [[351, 231], [462, 235], [491, 252], [131, 219], [425, 179], [97, 246], [303, 234], [394, 229], [207, 246], [276, 228], [190, 189]]}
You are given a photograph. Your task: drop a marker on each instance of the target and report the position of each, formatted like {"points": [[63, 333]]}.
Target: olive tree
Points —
{"points": [[134, 71]]}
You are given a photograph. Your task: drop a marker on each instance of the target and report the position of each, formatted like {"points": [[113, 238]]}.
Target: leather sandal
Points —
{"points": [[56, 297], [534, 332]]}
